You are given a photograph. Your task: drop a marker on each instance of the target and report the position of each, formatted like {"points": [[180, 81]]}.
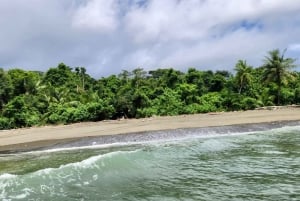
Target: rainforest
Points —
{"points": [[64, 95]]}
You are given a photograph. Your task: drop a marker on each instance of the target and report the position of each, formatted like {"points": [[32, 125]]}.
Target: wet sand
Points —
{"points": [[37, 137]]}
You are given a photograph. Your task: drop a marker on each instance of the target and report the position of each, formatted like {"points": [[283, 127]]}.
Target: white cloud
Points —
{"points": [[294, 47], [106, 36], [196, 19], [210, 33], [99, 15]]}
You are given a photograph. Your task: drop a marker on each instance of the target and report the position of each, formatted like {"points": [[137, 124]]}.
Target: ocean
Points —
{"points": [[246, 162]]}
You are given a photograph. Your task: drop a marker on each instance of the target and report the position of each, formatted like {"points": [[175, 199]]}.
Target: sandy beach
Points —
{"points": [[29, 138]]}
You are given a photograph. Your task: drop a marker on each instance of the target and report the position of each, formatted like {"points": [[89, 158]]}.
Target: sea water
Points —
{"points": [[263, 165]]}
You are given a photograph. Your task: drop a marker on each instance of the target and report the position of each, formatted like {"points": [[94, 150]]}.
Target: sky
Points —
{"points": [[108, 36]]}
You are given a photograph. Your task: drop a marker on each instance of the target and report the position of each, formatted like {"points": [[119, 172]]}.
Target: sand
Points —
{"points": [[30, 138]]}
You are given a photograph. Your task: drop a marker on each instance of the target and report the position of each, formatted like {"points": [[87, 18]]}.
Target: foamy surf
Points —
{"points": [[226, 165], [166, 136]]}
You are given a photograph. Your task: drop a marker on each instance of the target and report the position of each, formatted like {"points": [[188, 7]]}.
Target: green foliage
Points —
{"points": [[5, 123], [63, 95], [210, 102], [277, 70], [231, 100], [99, 111], [24, 82], [297, 96], [56, 114], [146, 112], [249, 103], [244, 76], [168, 103], [62, 114], [20, 113], [5, 88], [77, 112], [58, 76], [193, 108], [287, 96], [187, 93]]}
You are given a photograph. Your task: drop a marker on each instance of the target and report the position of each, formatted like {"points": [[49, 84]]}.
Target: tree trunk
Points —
{"points": [[241, 85], [240, 89], [278, 94]]}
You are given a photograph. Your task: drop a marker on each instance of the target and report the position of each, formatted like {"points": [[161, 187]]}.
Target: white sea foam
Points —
{"points": [[7, 176], [20, 196], [100, 146], [85, 175], [5, 182], [87, 163], [92, 160], [214, 145], [286, 129], [188, 136], [274, 152]]}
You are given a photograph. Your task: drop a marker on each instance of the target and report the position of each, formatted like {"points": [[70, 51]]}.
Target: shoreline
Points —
{"points": [[145, 137], [40, 137]]}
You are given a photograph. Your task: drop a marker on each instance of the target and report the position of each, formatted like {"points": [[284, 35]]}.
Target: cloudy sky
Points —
{"points": [[106, 36]]}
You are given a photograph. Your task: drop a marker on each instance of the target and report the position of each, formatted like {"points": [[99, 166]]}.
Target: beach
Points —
{"points": [[37, 137]]}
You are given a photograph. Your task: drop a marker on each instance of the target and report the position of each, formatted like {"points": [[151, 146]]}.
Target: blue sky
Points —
{"points": [[106, 36]]}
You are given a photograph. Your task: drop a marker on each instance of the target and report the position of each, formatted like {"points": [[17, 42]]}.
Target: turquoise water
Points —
{"points": [[261, 165]]}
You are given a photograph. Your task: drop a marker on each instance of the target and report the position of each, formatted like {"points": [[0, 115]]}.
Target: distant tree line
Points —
{"points": [[64, 95]]}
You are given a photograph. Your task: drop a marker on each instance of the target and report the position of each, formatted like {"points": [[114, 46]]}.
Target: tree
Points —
{"points": [[195, 77], [81, 73], [217, 83], [124, 76], [167, 77], [5, 88], [138, 76], [18, 110], [243, 74], [58, 76], [277, 70], [187, 92]]}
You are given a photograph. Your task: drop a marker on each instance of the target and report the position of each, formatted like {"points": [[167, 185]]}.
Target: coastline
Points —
{"points": [[40, 137]]}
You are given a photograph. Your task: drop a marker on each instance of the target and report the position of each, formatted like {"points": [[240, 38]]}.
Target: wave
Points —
{"points": [[7, 176], [173, 135], [100, 172], [72, 174], [93, 146], [87, 163], [166, 136]]}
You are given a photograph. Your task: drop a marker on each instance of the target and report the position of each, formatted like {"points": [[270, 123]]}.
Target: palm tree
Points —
{"points": [[277, 70], [243, 74], [81, 73]]}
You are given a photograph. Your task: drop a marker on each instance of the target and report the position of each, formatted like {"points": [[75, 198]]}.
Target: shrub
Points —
{"points": [[5, 123], [168, 103], [99, 111], [287, 96], [146, 112], [249, 103], [20, 114], [210, 102]]}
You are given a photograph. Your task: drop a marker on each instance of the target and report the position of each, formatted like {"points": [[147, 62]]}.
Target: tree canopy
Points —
{"points": [[277, 70], [65, 95]]}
